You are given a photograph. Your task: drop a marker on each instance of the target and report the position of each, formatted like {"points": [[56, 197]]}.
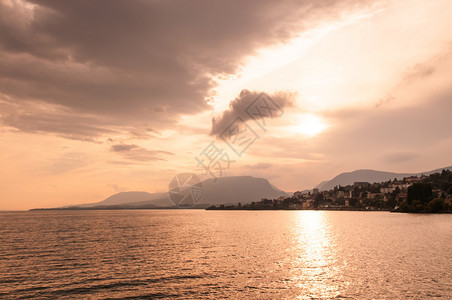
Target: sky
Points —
{"points": [[100, 97]]}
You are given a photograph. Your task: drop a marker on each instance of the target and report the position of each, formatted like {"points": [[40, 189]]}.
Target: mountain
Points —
{"points": [[126, 198], [370, 176], [244, 189], [222, 190]]}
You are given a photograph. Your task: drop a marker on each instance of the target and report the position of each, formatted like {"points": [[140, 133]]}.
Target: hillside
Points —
{"points": [[244, 189], [126, 198], [223, 190], [371, 176]]}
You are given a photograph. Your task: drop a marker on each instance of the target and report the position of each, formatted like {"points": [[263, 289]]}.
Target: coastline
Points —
{"points": [[331, 209], [232, 209]]}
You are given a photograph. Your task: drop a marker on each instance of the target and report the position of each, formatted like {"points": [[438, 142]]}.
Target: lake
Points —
{"points": [[224, 254]]}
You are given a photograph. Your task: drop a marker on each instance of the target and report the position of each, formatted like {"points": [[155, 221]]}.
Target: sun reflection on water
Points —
{"points": [[313, 265]]}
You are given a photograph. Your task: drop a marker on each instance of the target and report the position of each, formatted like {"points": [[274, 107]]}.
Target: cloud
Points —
{"points": [[137, 61], [41, 118], [137, 153], [117, 188], [361, 135], [68, 162], [426, 73], [252, 105], [417, 72], [259, 166], [122, 148], [399, 156], [38, 117]]}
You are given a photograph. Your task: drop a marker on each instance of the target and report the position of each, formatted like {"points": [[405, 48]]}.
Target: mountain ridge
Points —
{"points": [[244, 189], [369, 175], [222, 190]]}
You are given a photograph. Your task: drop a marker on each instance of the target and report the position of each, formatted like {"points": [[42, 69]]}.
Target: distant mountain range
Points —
{"points": [[370, 176], [235, 189], [223, 190]]}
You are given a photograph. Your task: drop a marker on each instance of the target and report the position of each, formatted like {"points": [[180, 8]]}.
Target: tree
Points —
{"points": [[421, 192], [435, 205], [353, 202], [356, 191], [417, 206], [318, 199], [405, 207]]}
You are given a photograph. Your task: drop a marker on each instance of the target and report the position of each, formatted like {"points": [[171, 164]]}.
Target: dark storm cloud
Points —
{"points": [[137, 153], [137, 60], [252, 105]]}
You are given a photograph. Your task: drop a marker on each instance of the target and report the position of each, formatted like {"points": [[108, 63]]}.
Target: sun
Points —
{"points": [[310, 125]]}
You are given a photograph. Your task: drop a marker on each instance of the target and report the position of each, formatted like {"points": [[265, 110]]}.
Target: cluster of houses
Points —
{"points": [[387, 195], [360, 195]]}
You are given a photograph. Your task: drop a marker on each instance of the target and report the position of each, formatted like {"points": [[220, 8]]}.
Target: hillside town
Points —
{"points": [[423, 193]]}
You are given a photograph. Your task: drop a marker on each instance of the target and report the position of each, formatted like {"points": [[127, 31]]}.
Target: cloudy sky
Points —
{"points": [[98, 97]]}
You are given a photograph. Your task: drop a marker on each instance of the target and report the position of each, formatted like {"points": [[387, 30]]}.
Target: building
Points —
{"points": [[308, 204], [413, 179], [280, 199], [387, 190], [402, 186], [267, 202], [340, 194], [296, 206]]}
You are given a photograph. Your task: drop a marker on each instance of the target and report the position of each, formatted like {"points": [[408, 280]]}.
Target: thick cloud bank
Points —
{"points": [[252, 105], [130, 63]]}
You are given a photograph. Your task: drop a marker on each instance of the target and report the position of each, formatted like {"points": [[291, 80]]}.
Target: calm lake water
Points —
{"points": [[225, 254]]}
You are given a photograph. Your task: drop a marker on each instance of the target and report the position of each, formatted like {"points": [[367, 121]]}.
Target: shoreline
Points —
{"points": [[233, 209]]}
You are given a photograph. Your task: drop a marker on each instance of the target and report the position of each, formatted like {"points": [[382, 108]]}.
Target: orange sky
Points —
{"points": [[101, 98]]}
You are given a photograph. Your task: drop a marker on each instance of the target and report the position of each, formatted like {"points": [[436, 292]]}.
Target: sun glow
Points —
{"points": [[310, 125], [255, 70]]}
